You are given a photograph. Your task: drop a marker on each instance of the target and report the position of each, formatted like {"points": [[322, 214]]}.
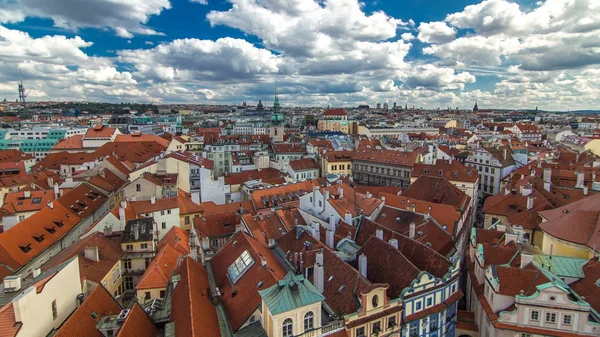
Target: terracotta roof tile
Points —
{"points": [[304, 164], [82, 321], [158, 273], [100, 131], [141, 138], [450, 169], [137, 324], [8, 324], [437, 190], [267, 175]]}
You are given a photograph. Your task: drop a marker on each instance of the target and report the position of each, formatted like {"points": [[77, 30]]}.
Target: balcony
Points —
{"points": [[325, 330]]}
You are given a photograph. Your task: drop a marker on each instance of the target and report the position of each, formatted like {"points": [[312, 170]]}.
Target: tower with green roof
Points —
{"points": [[276, 129]]}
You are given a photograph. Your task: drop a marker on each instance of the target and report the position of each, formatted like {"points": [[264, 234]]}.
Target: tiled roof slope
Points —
{"points": [[82, 323], [194, 315], [137, 324]]}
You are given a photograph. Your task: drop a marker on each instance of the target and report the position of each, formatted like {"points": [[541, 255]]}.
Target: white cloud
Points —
{"points": [[430, 76], [407, 37], [435, 32], [202, 2]]}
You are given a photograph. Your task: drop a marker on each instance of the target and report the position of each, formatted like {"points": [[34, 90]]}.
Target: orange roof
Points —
{"points": [[450, 169], [74, 142], [388, 157], [141, 138], [194, 315], [81, 322], [8, 324], [210, 208], [178, 239], [186, 205], [268, 175], [11, 156], [137, 324], [100, 131], [335, 112], [265, 226], [246, 300], [158, 273], [146, 206], [16, 201], [304, 164], [135, 152], [301, 187], [109, 255], [437, 190]]}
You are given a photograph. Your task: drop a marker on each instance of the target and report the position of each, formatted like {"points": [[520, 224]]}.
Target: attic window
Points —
{"points": [[425, 171], [82, 204], [39, 238], [36, 200], [51, 230], [440, 172], [25, 248], [341, 288], [58, 223], [240, 266], [94, 315]]}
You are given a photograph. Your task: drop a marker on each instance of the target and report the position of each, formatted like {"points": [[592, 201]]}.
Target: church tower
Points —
{"points": [[276, 129]]}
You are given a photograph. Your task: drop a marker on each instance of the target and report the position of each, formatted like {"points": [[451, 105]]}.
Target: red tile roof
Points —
{"points": [[241, 299], [587, 286], [335, 112], [135, 138], [178, 239], [437, 190], [11, 156], [8, 324], [142, 207], [267, 175], [82, 323], [513, 280], [100, 131], [16, 202], [158, 273], [73, 142], [194, 315], [304, 164], [137, 324], [387, 157], [109, 255], [452, 170]]}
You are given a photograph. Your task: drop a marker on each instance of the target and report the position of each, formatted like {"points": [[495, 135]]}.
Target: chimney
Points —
{"points": [[507, 190], [153, 199], [27, 194], [412, 207], [239, 228], [394, 243], [529, 202], [316, 232], [37, 272], [525, 259], [295, 220], [263, 261], [319, 273], [56, 191], [379, 234], [348, 218], [362, 265], [580, 179], [50, 181], [585, 190], [504, 153], [411, 230], [330, 239], [260, 216], [123, 204], [548, 175], [325, 194], [369, 195], [122, 218], [547, 186], [50, 205], [332, 223], [92, 253], [136, 232], [314, 197], [341, 192]]}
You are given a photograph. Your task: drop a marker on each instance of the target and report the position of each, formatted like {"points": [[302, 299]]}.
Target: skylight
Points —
{"points": [[240, 266]]}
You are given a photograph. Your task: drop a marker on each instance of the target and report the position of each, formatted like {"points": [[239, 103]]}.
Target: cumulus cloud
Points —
{"points": [[435, 32], [432, 77], [125, 17]]}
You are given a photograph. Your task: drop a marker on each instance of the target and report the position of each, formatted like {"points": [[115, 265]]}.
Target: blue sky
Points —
{"points": [[332, 52]]}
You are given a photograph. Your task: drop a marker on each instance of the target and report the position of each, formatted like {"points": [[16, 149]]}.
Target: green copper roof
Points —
{"points": [[291, 292], [277, 118], [561, 266]]}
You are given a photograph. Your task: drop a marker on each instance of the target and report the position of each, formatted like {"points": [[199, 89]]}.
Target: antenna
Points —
{"points": [[22, 94]]}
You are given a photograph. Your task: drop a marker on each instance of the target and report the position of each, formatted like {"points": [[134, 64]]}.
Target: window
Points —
{"points": [[147, 295], [376, 327], [129, 247], [418, 305], [375, 301], [524, 334], [162, 212], [309, 321], [433, 323], [168, 211], [288, 327], [240, 266], [144, 246], [128, 283], [360, 331], [164, 225], [162, 293], [127, 264], [391, 322], [138, 187], [550, 317], [429, 301], [187, 220], [414, 329], [535, 315], [567, 319], [54, 310]]}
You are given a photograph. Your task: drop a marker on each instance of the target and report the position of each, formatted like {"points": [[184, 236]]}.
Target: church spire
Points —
{"points": [[475, 108]]}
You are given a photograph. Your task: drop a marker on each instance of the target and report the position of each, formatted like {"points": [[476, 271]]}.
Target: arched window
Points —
{"points": [[309, 318], [288, 327]]}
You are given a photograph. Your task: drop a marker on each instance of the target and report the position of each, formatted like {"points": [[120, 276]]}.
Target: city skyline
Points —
{"points": [[333, 53]]}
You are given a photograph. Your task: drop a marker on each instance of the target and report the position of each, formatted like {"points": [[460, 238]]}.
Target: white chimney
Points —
{"points": [[92, 253], [379, 234], [37, 272], [330, 238], [341, 192], [362, 265], [506, 190], [316, 232], [325, 195], [580, 179], [348, 218], [314, 197], [56, 191], [585, 190], [508, 237], [411, 230], [263, 261], [394, 243], [526, 259], [547, 186], [153, 199], [530, 202], [319, 259], [50, 205], [548, 175], [27, 194], [123, 204], [319, 273], [369, 195], [332, 223]]}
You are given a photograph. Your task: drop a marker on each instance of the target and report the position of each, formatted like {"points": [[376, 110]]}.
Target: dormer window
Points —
{"points": [[51, 230], [25, 248], [240, 266], [59, 224], [39, 238]]}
